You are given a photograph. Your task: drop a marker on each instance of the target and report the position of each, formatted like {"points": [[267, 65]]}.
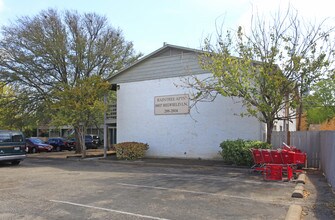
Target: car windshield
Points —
{"points": [[92, 136], [5, 138], [36, 140]]}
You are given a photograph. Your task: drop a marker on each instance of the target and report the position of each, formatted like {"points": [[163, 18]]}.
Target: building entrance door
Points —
{"points": [[112, 135]]}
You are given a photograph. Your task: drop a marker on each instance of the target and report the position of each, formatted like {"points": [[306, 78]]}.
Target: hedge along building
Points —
{"points": [[153, 107]]}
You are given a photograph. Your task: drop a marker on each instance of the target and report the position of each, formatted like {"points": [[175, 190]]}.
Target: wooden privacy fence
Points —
{"points": [[319, 146], [307, 141], [327, 157]]}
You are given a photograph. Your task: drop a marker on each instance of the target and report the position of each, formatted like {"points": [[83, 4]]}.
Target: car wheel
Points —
{"points": [[15, 162], [33, 150], [58, 148]]}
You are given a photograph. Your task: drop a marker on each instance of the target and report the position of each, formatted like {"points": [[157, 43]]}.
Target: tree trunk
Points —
{"points": [[83, 150], [300, 94], [299, 117], [83, 146], [80, 143], [78, 139], [269, 128]]}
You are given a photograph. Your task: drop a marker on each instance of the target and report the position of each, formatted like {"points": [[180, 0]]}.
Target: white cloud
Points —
{"points": [[309, 11], [239, 12], [2, 5]]}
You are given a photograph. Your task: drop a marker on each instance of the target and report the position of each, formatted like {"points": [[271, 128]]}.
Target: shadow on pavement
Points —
{"points": [[319, 198]]}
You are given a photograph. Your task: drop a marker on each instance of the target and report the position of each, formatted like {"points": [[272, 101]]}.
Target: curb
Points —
{"points": [[299, 188], [89, 155], [298, 191], [294, 212], [301, 178], [146, 163]]}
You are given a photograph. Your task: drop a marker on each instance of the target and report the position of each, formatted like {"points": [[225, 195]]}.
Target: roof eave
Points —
{"points": [[152, 54]]}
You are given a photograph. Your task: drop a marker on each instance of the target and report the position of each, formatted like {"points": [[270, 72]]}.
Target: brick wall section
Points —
{"points": [[304, 125], [329, 125], [325, 126]]}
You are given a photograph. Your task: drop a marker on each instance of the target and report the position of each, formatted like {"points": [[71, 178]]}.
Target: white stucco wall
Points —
{"points": [[196, 135], [282, 125]]}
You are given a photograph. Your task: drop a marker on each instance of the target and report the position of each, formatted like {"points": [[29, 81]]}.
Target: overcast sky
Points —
{"points": [[149, 23]]}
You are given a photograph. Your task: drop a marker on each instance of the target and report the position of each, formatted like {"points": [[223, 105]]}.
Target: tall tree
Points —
{"points": [[55, 52], [14, 110], [320, 104], [268, 68], [80, 106]]}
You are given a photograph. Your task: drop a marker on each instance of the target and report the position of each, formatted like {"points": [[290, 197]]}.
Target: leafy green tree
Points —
{"points": [[80, 105], [268, 69], [14, 111], [320, 104], [47, 56]]}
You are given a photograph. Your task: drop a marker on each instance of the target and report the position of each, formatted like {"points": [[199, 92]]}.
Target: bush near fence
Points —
{"points": [[238, 152]]}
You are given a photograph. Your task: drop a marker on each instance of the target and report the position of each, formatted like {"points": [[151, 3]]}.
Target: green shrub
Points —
{"points": [[130, 150], [238, 151]]}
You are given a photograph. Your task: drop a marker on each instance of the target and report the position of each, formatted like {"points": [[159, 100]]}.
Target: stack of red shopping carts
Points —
{"points": [[279, 164]]}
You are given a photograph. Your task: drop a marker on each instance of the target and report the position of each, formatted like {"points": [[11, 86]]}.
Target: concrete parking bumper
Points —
{"points": [[294, 212], [301, 178]]}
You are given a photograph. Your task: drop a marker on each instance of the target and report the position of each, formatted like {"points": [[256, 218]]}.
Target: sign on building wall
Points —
{"points": [[172, 104]]}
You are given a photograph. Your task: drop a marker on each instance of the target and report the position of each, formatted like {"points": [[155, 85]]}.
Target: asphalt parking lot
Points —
{"points": [[49, 188]]}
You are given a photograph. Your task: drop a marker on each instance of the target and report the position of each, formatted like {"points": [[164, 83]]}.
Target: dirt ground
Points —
{"points": [[319, 201]]}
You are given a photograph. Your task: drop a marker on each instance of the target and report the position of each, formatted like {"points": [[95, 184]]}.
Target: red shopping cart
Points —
{"points": [[278, 164]]}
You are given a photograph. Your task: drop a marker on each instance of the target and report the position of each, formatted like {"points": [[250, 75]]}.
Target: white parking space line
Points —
{"points": [[207, 193], [108, 210], [11, 188], [239, 179], [163, 188]]}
